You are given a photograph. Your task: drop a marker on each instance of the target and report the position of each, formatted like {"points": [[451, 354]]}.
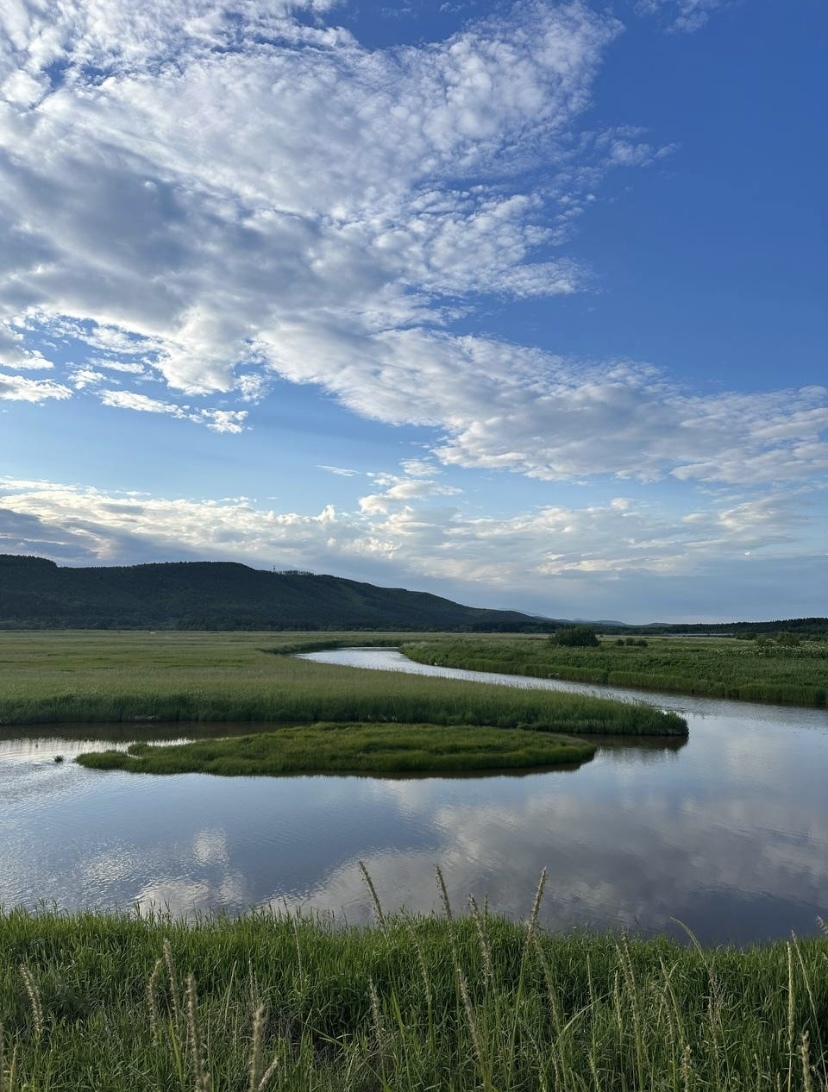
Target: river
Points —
{"points": [[726, 833]]}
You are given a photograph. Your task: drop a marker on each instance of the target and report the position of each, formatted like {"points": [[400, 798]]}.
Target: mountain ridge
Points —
{"points": [[36, 593]]}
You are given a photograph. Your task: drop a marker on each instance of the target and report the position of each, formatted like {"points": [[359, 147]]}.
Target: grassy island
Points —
{"points": [[155, 678], [462, 1004], [783, 669], [352, 748]]}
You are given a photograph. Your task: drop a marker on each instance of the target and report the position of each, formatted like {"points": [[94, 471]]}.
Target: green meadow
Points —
{"points": [[352, 748], [153, 678], [461, 1003], [782, 669]]}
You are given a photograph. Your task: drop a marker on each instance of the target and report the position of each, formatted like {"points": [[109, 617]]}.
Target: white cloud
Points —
{"points": [[503, 407], [681, 15], [13, 354], [232, 421], [140, 402], [96, 38], [127, 367], [18, 388], [218, 420], [214, 197], [339, 471], [420, 468], [87, 377], [195, 211], [560, 559], [401, 489]]}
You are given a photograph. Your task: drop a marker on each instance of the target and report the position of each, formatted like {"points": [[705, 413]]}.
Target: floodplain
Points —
{"points": [[194, 990], [782, 669], [84, 677]]}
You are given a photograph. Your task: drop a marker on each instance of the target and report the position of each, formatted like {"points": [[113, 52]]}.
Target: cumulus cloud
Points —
{"points": [[558, 559], [414, 484], [210, 198], [193, 184], [198, 200]]}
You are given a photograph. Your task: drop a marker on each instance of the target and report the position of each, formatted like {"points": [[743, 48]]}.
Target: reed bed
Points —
{"points": [[168, 677], [760, 670], [456, 1002], [354, 749]]}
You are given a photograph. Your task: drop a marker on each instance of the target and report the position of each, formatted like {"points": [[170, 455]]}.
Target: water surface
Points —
{"points": [[727, 832]]}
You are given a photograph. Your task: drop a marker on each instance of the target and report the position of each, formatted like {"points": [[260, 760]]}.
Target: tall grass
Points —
{"points": [[147, 678], [463, 1002], [720, 668]]}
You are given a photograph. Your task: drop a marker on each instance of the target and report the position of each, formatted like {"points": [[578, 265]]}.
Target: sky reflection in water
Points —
{"points": [[727, 833]]}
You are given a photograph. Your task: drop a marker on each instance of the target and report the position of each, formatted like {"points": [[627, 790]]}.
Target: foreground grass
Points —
{"points": [[762, 670], [88, 677], [109, 1003], [352, 748]]}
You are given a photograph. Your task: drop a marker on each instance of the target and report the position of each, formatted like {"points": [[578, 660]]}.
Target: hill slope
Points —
{"points": [[37, 594]]}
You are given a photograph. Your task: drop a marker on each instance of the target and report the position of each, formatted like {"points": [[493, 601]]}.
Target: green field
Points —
{"points": [[352, 748], [766, 669], [463, 1004], [153, 678]]}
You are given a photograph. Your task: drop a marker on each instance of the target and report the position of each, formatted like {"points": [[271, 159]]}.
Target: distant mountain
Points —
{"points": [[37, 594], [601, 623]]}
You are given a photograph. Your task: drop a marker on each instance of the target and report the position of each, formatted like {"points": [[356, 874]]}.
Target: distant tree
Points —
{"points": [[575, 637]]}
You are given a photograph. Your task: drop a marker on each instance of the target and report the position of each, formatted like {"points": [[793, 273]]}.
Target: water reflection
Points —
{"points": [[727, 831]]}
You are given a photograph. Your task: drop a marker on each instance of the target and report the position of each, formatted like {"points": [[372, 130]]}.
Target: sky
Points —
{"points": [[523, 304]]}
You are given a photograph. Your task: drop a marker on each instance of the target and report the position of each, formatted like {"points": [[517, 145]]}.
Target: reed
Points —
{"points": [[282, 1001], [745, 670], [217, 678]]}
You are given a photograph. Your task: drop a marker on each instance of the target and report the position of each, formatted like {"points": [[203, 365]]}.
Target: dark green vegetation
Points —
{"points": [[109, 1003], [65, 677], [759, 670], [807, 628], [352, 748], [36, 594], [575, 637]]}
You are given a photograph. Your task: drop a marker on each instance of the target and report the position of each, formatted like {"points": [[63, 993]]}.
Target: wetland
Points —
{"points": [[724, 829], [195, 931]]}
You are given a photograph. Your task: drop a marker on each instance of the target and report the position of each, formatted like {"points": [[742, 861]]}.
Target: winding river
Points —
{"points": [[726, 833]]}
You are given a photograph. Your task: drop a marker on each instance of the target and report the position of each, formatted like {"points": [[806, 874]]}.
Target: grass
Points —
{"points": [[148, 678], [470, 1003], [352, 748], [747, 670]]}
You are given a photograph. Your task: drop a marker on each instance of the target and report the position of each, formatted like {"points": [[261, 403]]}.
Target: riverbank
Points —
{"points": [[148, 678], [110, 1002], [353, 749], [761, 670]]}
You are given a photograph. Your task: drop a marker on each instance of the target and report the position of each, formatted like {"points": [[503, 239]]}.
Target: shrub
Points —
{"points": [[575, 637]]}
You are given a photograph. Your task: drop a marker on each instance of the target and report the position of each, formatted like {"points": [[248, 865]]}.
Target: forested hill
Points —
{"points": [[37, 594]]}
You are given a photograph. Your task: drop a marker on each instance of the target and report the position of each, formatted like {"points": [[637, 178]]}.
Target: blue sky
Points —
{"points": [[521, 304]]}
